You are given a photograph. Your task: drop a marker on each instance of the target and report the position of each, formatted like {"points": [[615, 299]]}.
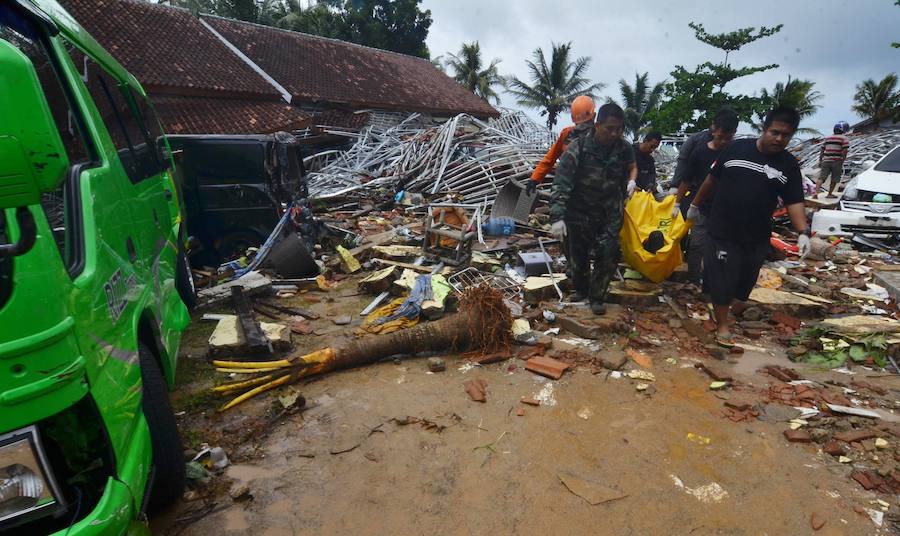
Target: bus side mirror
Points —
{"points": [[32, 155]]}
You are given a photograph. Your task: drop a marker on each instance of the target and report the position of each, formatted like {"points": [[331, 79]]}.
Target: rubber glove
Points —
{"points": [[675, 210], [630, 188], [693, 213], [530, 187], [803, 246], [558, 229]]}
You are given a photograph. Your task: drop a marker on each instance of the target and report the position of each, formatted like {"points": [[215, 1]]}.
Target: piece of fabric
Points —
{"points": [[730, 269], [547, 163], [699, 165], [748, 185], [833, 148], [597, 241], [644, 216], [833, 169], [646, 169], [590, 178], [681, 164], [402, 313]]}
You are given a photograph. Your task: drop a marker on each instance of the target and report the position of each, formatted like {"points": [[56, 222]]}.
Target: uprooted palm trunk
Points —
{"points": [[483, 323]]}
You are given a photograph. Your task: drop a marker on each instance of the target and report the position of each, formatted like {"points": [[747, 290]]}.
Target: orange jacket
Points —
{"points": [[549, 161]]}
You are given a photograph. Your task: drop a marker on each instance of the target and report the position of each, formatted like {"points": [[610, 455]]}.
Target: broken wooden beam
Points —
{"points": [[256, 340]]}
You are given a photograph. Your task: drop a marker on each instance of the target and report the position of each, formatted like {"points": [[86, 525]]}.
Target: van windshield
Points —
{"points": [[891, 162]]}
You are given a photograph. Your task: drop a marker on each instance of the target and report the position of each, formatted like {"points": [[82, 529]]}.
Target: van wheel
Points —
{"points": [[184, 281], [168, 462]]}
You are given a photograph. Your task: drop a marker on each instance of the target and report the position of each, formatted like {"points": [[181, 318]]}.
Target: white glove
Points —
{"points": [[693, 213], [803, 246], [672, 191], [675, 210], [630, 188], [558, 230]]}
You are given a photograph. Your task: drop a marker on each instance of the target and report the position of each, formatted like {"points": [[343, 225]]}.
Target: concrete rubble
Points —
{"points": [[814, 363]]}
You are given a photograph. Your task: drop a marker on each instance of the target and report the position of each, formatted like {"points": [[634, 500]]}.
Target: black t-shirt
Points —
{"points": [[646, 169], [749, 184], [699, 165]]}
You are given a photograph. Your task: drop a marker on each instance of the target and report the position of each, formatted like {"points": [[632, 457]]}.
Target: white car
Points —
{"points": [[869, 205]]}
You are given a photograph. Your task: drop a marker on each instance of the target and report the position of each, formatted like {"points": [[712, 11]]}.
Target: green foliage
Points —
{"points": [[796, 93], [637, 100], [555, 85], [467, 70], [858, 349], [877, 100], [397, 25], [693, 97]]}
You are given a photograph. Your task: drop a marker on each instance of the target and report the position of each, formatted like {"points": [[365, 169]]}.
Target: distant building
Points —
{"points": [[211, 75], [870, 124]]}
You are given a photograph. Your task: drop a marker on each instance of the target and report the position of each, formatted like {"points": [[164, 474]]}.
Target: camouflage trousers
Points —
{"points": [[597, 240]]}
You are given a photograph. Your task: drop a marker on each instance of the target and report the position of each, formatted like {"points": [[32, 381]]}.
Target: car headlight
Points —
{"points": [[26, 485], [850, 192]]}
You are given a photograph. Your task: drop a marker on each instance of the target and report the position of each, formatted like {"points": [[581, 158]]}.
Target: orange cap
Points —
{"points": [[582, 109]]}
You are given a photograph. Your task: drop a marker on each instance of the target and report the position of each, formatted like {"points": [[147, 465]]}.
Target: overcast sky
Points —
{"points": [[834, 43]]}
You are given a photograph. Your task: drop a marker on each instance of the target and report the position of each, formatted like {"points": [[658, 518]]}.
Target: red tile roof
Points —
{"points": [[316, 69], [341, 118], [203, 115], [165, 46]]}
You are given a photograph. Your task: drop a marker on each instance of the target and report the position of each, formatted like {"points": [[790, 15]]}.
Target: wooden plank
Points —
{"points": [[256, 340], [406, 265]]}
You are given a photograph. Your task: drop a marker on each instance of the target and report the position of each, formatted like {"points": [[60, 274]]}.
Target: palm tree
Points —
{"points": [[877, 100], [553, 86], [637, 101], [796, 93], [467, 70]]}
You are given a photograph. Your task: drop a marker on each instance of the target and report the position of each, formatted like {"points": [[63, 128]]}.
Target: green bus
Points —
{"points": [[93, 285]]}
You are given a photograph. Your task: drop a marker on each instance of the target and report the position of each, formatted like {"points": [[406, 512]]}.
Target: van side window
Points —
{"points": [[139, 157], [150, 122], [59, 205]]}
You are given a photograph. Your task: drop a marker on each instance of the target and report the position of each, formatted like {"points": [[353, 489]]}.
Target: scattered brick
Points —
{"points": [[855, 436], [866, 479], [490, 358], [476, 389], [546, 366], [782, 373], [520, 412], [783, 318], [530, 401], [833, 448], [714, 374], [797, 436], [816, 521]]}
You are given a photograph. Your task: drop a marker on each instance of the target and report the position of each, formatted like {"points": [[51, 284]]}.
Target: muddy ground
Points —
{"points": [[394, 449]]}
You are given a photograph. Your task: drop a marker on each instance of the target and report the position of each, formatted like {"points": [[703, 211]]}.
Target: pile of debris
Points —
{"points": [[864, 147], [464, 155]]}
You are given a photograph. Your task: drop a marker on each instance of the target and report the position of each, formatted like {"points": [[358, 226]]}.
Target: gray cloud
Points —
{"points": [[836, 44]]}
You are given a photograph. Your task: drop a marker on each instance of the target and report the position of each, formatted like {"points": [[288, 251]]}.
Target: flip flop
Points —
{"points": [[725, 341]]}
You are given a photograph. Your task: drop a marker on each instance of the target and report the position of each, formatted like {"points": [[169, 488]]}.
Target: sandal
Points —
{"points": [[725, 341]]}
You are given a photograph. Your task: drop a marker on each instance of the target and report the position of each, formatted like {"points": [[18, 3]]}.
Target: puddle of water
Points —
{"points": [[749, 362], [236, 520], [246, 473]]}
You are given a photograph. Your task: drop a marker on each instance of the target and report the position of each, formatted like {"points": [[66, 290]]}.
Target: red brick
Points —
{"points": [[786, 319], [477, 390], [530, 401], [491, 358], [546, 366], [797, 436], [855, 436], [520, 412], [713, 373], [816, 521], [833, 448], [866, 479]]}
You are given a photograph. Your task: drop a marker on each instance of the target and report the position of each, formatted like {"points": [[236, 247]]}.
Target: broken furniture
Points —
{"points": [[450, 231]]}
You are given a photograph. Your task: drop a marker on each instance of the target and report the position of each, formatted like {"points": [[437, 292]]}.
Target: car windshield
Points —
{"points": [[891, 162]]}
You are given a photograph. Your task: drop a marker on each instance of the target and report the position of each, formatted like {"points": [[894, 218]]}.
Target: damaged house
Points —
{"points": [[210, 75]]}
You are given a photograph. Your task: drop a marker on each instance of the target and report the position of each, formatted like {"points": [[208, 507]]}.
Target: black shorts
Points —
{"points": [[730, 269]]}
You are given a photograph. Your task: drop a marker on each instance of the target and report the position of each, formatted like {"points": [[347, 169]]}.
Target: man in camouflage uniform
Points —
{"points": [[593, 179]]}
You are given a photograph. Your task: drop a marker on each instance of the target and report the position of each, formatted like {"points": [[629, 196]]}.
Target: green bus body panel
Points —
{"points": [[63, 337]]}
